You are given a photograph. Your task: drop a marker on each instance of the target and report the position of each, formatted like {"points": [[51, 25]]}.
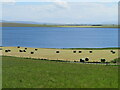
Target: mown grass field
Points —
{"points": [[64, 54], [31, 73]]}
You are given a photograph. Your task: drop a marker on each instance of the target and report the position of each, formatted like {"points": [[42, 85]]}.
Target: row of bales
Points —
{"points": [[25, 50], [113, 52], [87, 59], [81, 51], [8, 50], [75, 51], [58, 51]]}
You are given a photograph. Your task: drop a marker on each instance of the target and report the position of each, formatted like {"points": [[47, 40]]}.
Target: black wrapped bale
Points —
{"points": [[36, 49], [113, 52], [6, 50], [18, 47], [80, 51], [81, 60], [90, 51], [25, 48], [32, 52], [86, 59], [20, 51], [9, 50], [74, 51], [103, 60], [57, 52]]}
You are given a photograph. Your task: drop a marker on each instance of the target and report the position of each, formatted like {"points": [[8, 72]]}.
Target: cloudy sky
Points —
{"points": [[59, 11]]}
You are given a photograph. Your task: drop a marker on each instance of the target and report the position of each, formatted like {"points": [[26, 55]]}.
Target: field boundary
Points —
{"points": [[94, 63]]}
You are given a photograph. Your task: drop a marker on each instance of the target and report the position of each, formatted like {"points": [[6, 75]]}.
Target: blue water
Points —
{"points": [[55, 37]]}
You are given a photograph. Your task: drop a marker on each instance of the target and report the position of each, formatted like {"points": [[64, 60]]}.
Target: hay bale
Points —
{"points": [[36, 49], [103, 60], [112, 51], [9, 50], [74, 51], [57, 51], [25, 48], [18, 47], [90, 51], [6, 50], [86, 59], [32, 52], [80, 51], [81, 60], [20, 51]]}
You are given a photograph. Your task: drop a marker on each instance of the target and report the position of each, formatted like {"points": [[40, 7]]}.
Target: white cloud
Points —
{"points": [[77, 12], [7, 0], [63, 0], [61, 3]]}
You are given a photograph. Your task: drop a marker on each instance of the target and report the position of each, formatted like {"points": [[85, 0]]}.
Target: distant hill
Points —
{"points": [[36, 24], [24, 25], [25, 22]]}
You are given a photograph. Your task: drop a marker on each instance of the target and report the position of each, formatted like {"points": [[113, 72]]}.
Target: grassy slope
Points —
{"points": [[38, 25], [29, 73]]}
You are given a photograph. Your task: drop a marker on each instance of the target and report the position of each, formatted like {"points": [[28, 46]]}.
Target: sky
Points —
{"points": [[61, 12]]}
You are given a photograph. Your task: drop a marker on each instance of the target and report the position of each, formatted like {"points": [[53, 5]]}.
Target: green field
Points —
{"points": [[31, 73]]}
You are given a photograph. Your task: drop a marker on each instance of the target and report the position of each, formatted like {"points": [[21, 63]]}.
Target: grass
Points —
{"points": [[41, 25], [30, 73], [117, 60]]}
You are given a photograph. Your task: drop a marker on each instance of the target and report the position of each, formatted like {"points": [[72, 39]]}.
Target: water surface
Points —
{"points": [[60, 37]]}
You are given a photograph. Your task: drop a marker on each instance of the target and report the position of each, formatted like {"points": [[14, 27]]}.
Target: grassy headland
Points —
{"points": [[30, 73], [42, 25]]}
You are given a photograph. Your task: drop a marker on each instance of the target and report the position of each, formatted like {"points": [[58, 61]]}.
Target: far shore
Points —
{"points": [[41, 25]]}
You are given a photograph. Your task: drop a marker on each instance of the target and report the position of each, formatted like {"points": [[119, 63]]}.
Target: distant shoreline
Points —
{"points": [[66, 26]]}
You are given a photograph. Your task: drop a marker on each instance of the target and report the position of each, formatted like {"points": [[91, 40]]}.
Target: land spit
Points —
{"points": [[77, 55]]}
